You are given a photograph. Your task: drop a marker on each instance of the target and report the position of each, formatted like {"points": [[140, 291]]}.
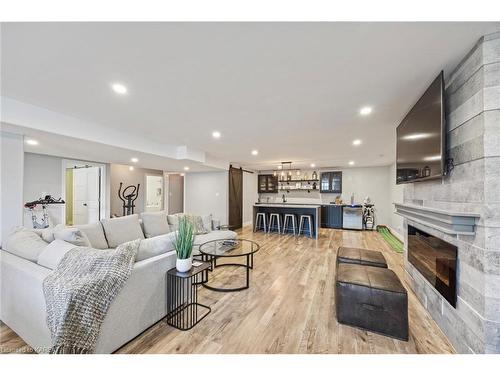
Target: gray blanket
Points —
{"points": [[79, 292]]}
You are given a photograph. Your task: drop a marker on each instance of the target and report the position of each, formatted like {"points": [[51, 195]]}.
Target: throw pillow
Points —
{"points": [[53, 253], [207, 222], [71, 235], [155, 223], [122, 229], [25, 243], [197, 221], [95, 235]]}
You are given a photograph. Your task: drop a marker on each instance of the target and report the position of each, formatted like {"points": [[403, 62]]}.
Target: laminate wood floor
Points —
{"points": [[289, 307]]}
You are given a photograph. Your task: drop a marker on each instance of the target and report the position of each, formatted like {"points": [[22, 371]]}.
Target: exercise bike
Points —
{"points": [[46, 201]]}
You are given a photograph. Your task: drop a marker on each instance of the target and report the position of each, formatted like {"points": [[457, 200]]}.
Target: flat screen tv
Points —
{"points": [[420, 149]]}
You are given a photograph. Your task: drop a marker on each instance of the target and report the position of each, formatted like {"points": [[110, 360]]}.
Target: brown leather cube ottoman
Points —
{"points": [[354, 255], [371, 298]]}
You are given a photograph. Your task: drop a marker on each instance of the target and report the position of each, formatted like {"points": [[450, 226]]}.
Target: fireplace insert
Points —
{"points": [[436, 260]]}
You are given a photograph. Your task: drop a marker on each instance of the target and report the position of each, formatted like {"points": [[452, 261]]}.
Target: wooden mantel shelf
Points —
{"points": [[445, 221]]}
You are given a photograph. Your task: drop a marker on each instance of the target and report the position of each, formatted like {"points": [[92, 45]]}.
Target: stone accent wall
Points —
{"points": [[473, 141]]}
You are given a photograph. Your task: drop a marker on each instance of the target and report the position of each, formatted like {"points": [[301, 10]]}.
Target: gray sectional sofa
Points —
{"points": [[29, 256]]}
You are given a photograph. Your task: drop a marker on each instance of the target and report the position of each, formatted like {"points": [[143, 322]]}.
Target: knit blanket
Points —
{"points": [[79, 292]]}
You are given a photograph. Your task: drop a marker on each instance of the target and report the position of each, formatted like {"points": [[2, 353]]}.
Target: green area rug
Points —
{"points": [[393, 242]]}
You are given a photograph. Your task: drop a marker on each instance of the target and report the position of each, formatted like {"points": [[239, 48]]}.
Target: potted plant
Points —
{"points": [[184, 244]]}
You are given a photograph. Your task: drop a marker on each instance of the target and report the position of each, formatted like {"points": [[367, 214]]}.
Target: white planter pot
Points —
{"points": [[184, 265]]}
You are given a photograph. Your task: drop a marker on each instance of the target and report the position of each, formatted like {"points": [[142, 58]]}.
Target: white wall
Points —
{"points": [[396, 196], [42, 176], [366, 181], [207, 193], [250, 195], [11, 184]]}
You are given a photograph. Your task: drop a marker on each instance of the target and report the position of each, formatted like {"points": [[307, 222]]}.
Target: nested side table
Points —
{"points": [[183, 309]]}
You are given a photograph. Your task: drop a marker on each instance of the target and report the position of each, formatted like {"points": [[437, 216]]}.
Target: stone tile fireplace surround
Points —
{"points": [[473, 141]]}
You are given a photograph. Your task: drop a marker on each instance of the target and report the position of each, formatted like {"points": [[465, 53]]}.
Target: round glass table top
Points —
{"points": [[229, 248]]}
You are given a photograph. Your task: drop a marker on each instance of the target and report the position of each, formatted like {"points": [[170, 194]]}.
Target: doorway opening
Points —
{"points": [[84, 192], [154, 193]]}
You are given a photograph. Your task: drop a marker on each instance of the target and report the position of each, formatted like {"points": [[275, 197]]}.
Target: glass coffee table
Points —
{"points": [[212, 250]]}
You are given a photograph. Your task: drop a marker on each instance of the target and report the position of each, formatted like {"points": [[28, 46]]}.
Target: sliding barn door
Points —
{"points": [[235, 198]]}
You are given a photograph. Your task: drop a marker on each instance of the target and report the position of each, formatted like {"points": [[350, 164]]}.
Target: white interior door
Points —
{"points": [[86, 195]]}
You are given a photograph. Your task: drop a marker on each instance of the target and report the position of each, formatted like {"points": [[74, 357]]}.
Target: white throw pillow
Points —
{"points": [[173, 222], [95, 235], [47, 234], [71, 235], [53, 253], [155, 223], [122, 229], [154, 246], [25, 243]]}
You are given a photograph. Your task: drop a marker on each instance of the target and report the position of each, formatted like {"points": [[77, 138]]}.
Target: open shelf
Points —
{"points": [[285, 181]]}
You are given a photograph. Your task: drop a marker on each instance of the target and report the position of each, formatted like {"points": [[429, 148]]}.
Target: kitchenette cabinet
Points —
{"points": [[268, 183], [331, 216], [330, 182]]}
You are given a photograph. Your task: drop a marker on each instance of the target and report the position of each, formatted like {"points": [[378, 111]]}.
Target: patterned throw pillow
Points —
{"points": [[197, 221]]}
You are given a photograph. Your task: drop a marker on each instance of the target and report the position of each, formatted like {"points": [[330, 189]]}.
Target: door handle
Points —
{"points": [[85, 204]]}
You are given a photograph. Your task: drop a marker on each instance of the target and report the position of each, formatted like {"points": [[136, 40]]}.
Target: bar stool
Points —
{"points": [[303, 219], [286, 223], [276, 222], [260, 222]]}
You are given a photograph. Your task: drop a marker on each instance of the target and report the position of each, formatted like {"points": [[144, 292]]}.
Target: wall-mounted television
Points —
{"points": [[420, 147]]}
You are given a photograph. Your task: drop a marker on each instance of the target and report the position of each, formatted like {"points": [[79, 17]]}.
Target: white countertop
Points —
{"points": [[288, 205]]}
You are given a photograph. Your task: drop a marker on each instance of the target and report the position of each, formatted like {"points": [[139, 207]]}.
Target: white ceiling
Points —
{"points": [[290, 90]]}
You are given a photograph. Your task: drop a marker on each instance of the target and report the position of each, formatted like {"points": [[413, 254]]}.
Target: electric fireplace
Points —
{"points": [[436, 260]]}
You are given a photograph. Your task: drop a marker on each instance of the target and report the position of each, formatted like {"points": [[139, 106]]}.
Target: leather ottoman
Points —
{"points": [[371, 298], [353, 255]]}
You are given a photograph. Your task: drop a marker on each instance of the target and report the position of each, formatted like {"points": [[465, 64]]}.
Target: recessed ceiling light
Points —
{"points": [[216, 134], [313, 165], [416, 136], [32, 142], [119, 88], [365, 111], [186, 168], [356, 142], [351, 162], [130, 168], [134, 160], [255, 152], [432, 158]]}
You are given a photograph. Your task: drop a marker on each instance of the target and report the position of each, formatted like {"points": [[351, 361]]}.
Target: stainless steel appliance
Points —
{"points": [[352, 217]]}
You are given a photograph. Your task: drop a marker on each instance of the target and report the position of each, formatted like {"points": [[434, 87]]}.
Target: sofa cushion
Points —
{"points": [[154, 246], [214, 235], [155, 223], [122, 229], [200, 239], [25, 244], [95, 235], [53, 253]]}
